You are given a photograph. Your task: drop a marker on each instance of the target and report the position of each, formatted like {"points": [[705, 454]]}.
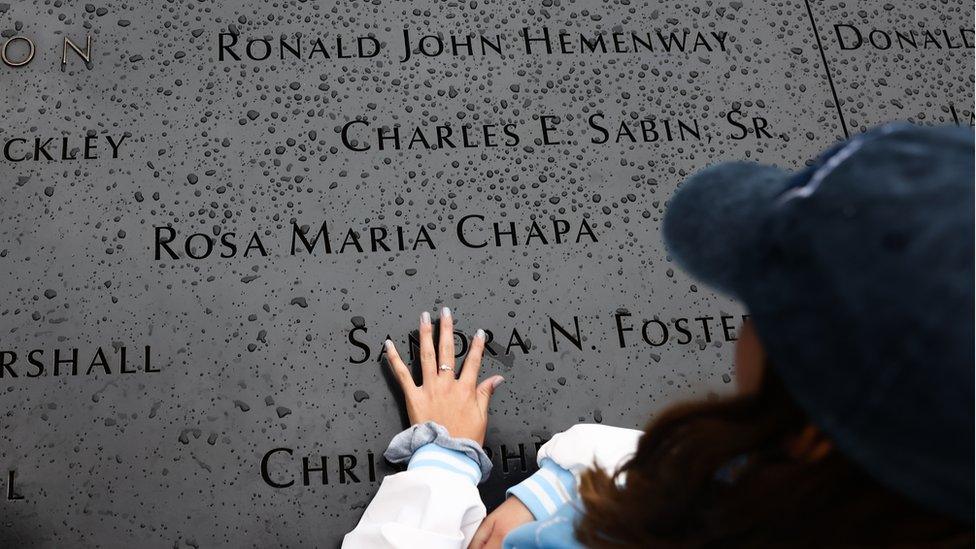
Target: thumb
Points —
{"points": [[487, 388]]}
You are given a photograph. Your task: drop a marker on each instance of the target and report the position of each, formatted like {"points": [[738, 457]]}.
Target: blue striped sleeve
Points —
{"points": [[547, 490], [437, 457]]}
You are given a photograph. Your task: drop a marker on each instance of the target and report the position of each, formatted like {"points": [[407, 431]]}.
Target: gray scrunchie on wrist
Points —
{"points": [[409, 440]]}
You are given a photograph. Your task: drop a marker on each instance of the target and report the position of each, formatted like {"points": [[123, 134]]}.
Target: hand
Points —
{"points": [[508, 516], [458, 403]]}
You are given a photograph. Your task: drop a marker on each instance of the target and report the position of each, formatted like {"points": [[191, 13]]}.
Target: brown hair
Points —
{"points": [[718, 473]]}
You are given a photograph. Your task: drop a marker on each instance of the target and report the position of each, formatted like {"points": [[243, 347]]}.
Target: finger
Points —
{"points": [[428, 359], [487, 388], [495, 542], [472, 362], [400, 369], [445, 347], [480, 538]]}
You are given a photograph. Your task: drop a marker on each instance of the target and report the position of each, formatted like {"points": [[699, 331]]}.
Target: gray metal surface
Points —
{"points": [[241, 363]]}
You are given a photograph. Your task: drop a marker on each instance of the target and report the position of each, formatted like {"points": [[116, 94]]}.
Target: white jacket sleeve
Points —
{"points": [[433, 504], [581, 446], [565, 456]]}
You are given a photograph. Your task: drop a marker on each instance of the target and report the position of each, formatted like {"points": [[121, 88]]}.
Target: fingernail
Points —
{"points": [[446, 312], [425, 317], [388, 344], [496, 382], [480, 334]]}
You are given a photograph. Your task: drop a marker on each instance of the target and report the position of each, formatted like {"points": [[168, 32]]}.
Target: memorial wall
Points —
{"points": [[214, 213]]}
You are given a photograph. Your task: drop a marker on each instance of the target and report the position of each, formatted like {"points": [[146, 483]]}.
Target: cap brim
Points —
{"points": [[714, 221]]}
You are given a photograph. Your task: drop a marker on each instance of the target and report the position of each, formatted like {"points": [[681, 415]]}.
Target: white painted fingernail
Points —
{"points": [[425, 318], [389, 345], [496, 382], [446, 312], [480, 334]]}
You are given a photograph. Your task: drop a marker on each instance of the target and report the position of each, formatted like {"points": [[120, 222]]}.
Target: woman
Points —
{"points": [[853, 423]]}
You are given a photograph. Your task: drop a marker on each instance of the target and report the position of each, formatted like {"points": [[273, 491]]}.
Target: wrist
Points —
{"points": [[462, 433], [454, 428]]}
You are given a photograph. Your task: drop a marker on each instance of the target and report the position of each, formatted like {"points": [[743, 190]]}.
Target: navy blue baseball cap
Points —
{"points": [[858, 275]]}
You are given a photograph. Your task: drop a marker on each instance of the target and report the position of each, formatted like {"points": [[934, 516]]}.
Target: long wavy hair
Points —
{"points": [[738, 472]]}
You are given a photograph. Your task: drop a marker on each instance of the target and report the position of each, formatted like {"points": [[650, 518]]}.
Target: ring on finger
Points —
{"points": [[445, 368]]}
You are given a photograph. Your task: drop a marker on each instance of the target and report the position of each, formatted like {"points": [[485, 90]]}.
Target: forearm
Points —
{"points": [[546, 490], [434, 503]]}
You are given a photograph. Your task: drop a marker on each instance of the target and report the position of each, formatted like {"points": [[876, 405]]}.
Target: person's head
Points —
{"points": [[853, 423]]}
